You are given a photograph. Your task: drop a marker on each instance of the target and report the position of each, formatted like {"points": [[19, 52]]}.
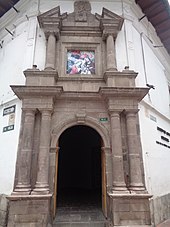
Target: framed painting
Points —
{"points": [[80, 62]]}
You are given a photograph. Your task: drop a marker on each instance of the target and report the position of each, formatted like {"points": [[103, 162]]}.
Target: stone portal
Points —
{"points": [[79, 87]]}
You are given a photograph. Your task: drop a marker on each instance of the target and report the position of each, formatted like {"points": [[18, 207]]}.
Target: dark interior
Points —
{"points": [[79, 167]]}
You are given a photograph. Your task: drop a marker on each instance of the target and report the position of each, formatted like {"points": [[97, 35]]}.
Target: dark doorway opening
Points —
{"points": [[79, 168]]}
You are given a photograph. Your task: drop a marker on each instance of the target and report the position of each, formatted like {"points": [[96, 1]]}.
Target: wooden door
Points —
{"points": [[55, 183], [103, 163]]}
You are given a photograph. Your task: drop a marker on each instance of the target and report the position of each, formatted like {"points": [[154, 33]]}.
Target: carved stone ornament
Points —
{"points": [[81, 9]]}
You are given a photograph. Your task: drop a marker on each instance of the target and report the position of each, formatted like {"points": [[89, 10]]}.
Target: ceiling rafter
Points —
{"points": [[158, 13]]}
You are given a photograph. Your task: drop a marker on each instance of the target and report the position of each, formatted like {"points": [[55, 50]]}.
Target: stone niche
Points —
{"points": [[79, 85]]}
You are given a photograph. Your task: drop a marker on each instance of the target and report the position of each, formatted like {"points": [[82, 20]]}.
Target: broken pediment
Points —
{"points": [[80, 20], [110, 22], [50, 21]]}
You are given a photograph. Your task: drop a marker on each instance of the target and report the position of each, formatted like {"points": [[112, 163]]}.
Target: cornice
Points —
{"points": [[36, 91], [137, 93]]}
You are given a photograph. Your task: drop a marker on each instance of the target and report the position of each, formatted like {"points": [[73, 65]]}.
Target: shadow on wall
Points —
{"points": [[3, 210], [160, 209]]}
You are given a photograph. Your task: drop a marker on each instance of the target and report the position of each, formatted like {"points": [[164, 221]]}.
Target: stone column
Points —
{"points": [[117, 153], [42, 184], [23, 186], [51, 51], [111, 59], [136, 179]]}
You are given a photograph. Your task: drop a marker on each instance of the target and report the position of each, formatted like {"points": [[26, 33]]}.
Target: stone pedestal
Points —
{"points": [[130, 210], [26, 211]]}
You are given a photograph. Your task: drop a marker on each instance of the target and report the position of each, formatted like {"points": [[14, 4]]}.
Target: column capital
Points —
{"points": [[45, 111], [106, 34], [132, 112], [115, 113], [55, 34], [29, 110]]}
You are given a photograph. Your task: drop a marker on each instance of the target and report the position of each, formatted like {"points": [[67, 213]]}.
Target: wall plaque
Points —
{"points": [[9, 110], [9, 118]]}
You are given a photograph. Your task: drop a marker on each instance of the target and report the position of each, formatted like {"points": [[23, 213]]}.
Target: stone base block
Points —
{"points": [[130, 210], [29, 211]]}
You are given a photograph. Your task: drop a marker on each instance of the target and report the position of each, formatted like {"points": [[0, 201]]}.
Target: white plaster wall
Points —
{"points": [[8, 144], [156, 157]]}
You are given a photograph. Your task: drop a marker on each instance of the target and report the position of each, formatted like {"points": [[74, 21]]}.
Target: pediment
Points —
{"points": [[110, 22], [55, 12], [50, 18], [107, 14], [80, 19]]}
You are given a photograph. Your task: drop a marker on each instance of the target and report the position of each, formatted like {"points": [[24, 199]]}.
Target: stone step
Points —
{"points": [[82, 224]]}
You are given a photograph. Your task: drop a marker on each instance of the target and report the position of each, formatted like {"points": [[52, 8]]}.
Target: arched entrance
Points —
{"points": [[81, 169]]}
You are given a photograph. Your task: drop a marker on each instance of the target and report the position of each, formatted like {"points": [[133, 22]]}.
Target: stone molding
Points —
{"points": [[58, 129], [36, 91], [138, 93]]}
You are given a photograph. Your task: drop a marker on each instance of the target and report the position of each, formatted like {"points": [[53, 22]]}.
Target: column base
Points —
{"points": [[120, 190], [137, 187], [111, 70], [41, 189], [119, 186], [49, 68], [22, 189]]}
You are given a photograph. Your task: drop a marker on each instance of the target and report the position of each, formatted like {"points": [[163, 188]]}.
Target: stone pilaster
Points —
{"points": [[111, 59], [117, 153], [136, 179], [51, 51], [42, 184], [23, 186]]}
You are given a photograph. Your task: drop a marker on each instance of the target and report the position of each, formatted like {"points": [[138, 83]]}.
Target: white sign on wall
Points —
{"points": [[9, 118]]}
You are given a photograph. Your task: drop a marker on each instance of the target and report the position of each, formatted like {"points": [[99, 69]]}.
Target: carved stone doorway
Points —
{"points": [[80, 178]]}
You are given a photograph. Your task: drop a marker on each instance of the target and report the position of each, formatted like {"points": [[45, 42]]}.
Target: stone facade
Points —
{"points": [[54, 101]]}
